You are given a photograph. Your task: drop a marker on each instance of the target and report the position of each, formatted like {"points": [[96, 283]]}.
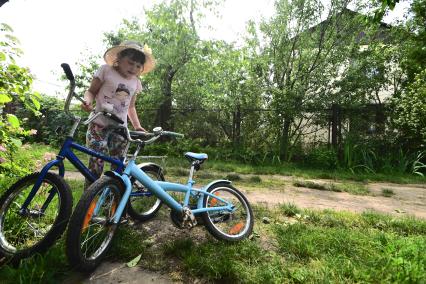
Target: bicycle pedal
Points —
{"points": [[189, 220], [184, 219]]}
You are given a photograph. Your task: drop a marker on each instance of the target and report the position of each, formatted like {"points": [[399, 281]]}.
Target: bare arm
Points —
{"points": [[90, 94], [133, 115]]}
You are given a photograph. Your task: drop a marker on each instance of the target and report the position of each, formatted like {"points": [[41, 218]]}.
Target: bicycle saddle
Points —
{"points": [[201, 157]]}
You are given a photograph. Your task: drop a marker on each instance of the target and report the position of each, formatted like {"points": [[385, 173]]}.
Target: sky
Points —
{"points": [[55, 31]]}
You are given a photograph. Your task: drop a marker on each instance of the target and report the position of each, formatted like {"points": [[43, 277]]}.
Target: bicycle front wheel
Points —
{"points": [[143, 205], [90, 230], [30, 230], [223, 224]]}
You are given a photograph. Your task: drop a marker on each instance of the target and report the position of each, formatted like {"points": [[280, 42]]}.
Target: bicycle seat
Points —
{"points": [[201, 157]]}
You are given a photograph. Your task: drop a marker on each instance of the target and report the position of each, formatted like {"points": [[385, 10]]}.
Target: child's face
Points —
{"points": [[128, 67]]}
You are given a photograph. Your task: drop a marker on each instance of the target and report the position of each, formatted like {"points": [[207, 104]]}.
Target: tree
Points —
{"points": [[416, 52], [410, 114], [302, 58], [171, 32], [15, 84]]}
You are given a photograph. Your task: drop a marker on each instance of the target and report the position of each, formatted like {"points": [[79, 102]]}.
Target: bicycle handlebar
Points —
{"points": [[68, 71], [70, 76], [71, 93], [157, 133], [173, 134]]}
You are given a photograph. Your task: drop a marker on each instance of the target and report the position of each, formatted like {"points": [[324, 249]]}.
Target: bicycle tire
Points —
{"points": [[225, 225], [17, 228], [83, 250], [146, 207]]}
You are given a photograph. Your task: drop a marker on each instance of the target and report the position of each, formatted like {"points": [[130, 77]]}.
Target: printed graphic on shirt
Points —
{"points": [[122, 93]]}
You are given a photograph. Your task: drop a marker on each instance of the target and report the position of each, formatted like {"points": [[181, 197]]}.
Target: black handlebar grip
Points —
{"points": [[114, 117], [67, 71]]}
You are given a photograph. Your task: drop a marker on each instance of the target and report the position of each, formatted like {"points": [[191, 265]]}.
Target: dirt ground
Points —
{"points": [[407, 200]]}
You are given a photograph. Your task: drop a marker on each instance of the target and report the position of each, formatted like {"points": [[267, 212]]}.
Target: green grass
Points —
{"points": [[46, 268], [296, 246], [289, 169], [179, 166], [316, 247], [387, 192], [307, 246], [352, 188]]}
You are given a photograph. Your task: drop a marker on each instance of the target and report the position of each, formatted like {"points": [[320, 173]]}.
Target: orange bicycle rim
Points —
{"points": [[89, 214]]}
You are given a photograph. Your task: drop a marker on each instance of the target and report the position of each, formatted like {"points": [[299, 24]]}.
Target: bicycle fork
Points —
{"points": [[24, 208]]}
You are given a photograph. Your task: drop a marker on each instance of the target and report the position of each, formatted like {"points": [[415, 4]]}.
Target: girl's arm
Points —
{"points": [[90, 94], [133, 115]]}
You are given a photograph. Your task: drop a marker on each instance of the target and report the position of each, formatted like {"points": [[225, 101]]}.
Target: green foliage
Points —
{"points": [[381, 155], [315, 247], [46, 268], [15, 84], [321, 157], [410, 113], [352, 188], [341, 247], [290, 209], [387, 192], [255, 179], [52, 125], [125, 236], [415, 60], [233, 177], [218, 260]]}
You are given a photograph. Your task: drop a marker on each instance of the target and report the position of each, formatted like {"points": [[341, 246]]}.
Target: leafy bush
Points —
{"points": [[321, 157], [15, 84], [52, 124], [410, 112]]}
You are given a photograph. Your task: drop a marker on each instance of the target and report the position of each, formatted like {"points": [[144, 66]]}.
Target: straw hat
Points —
{"points": [[110, 55]]}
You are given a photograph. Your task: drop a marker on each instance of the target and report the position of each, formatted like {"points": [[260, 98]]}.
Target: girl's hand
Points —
{"points": [[140, 129], [86, 106]]}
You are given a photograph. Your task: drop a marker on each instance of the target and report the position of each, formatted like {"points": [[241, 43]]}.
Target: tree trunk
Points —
{"points": [[335, 126], [164, 113], [284, 141], [236, 127]]}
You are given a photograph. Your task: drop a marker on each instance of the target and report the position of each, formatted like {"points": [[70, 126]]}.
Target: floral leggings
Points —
{"points": [[104, 140]]}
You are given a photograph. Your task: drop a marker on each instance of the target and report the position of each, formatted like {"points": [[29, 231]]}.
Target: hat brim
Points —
{"points": [[110, 57]]}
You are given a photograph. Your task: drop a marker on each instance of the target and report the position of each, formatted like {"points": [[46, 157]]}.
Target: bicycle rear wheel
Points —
{"points": [[228, 225], [90, 233], [33, 230], [145, 206]]}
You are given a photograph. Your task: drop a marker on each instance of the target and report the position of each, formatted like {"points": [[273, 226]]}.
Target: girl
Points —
{"points": [[114, 88]]}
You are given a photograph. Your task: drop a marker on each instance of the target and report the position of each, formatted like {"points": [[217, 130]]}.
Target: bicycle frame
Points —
{"points": [[160, 188], [66, 152]]}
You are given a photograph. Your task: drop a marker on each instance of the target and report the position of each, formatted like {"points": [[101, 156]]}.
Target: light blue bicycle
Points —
{"points": [[224, 210]]}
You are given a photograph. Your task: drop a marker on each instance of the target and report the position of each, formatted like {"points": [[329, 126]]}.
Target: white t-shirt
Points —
{"points": [[115, 94]]}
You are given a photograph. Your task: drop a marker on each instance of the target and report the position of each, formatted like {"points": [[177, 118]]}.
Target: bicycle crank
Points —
{"points": [[184, 219]]}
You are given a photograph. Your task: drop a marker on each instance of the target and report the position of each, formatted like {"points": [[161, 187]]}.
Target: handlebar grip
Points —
{"points": [[174, 134], [67, 71], [141, 134], [113, 117]]}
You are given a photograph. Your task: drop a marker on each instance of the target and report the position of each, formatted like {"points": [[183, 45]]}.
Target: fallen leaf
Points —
{"points": [[134, 261]]}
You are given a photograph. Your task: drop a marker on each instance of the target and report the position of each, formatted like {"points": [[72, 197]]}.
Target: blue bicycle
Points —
{"points": [[225, 211], [34, 212]]}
